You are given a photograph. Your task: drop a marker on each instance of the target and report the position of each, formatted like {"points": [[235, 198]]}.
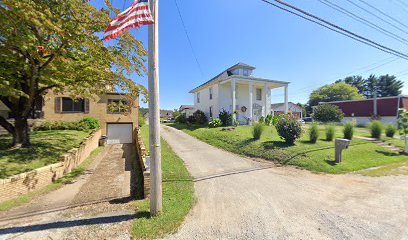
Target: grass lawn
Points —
{"points": [[47, 147], [20, 200], [317, 157], [177, 197]]}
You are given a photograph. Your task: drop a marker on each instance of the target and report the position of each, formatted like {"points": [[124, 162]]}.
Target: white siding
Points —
{"points": [[366, 120], [205, 101]]}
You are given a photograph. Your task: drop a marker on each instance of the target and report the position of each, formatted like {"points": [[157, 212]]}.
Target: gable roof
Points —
{"points": [[182, 107], [277, 106], [226, 73]]}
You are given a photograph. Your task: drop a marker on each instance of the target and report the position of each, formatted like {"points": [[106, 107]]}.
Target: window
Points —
{"points": [[246, 72], [198, 97], [259, 94], [211, 93], [71, 105], [118, 106], [211, 114]]}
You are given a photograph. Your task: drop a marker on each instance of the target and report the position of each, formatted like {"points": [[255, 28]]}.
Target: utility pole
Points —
{"points": [[375, 103], [154, 113]]}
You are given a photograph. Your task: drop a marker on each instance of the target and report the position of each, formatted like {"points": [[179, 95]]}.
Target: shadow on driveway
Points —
{"points": [[66, 224]]}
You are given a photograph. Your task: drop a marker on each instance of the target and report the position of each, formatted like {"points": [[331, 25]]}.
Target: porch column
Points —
{"points": [[286, 100], [267, 100], [250, 103], [234, 101]]}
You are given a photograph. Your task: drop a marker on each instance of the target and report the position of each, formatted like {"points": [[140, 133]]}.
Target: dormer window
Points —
{"points": [[245, 72]]}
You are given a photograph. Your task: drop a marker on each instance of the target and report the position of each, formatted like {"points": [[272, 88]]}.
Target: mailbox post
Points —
{"points": [[340, 145]]}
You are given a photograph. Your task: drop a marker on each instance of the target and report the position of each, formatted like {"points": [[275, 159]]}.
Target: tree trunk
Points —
{"points": [[21, 135]]}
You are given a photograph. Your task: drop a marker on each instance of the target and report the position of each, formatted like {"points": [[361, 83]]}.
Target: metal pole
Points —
{"points": [[154, 113], [375, 103]]}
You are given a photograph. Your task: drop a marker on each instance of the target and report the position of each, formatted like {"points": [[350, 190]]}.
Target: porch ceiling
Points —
{"points": [[256, 81]]}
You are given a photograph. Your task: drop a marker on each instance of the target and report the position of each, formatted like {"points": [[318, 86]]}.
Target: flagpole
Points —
{"points": [[154, 113]]}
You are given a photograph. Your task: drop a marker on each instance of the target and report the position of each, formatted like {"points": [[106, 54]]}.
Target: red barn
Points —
{"points": [[362, 111]]}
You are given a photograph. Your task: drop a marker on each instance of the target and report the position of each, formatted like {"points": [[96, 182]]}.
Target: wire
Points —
{"points": [[383, 13], [336, 28], [364, 21], [382, 19], [188, 38], [393, 59]]}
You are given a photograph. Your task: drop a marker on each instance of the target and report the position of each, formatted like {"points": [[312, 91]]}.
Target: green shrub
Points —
{"points": [[214, 122], [92, 123], [191, 119], [60, 125], [289, 129], [200, 117], [181, 118], [330, 132], [313, 133], [276, 119], [225, 117], [257, 130], [376, 129], [142, 121], [262, 119], [348, 130], [327, 113], [268, 120], [390, 130]]}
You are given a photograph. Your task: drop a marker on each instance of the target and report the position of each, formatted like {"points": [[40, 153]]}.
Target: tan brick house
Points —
{"points": [[116, 125]]}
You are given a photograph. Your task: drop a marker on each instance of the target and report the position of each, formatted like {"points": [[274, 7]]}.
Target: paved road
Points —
{"points": [[238, 198], [108, 177]]}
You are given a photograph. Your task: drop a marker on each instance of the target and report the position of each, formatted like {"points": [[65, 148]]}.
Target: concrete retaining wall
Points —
{"points": [[144, 161], [25, 182]]}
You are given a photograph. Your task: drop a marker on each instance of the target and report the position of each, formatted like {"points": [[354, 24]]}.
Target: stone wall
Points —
{"points": [[25, 182], [143, 159]]}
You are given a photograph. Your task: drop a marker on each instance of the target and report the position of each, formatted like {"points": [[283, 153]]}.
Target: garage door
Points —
{"points": [[119, 133]]}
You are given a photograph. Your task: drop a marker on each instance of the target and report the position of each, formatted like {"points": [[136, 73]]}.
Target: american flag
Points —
{"points": [[136, 15]]}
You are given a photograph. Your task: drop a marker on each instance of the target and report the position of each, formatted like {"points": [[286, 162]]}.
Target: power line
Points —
{"points": [[188, 38], [383, 13], [381, 63], [364, 21], [335, 28], [373, 14]]}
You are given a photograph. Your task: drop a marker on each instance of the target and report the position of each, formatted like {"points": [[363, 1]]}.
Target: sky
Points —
{"points": [[281, 46]]}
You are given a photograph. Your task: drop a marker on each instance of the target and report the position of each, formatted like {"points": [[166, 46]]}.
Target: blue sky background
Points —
{"points": [[281, 46]]}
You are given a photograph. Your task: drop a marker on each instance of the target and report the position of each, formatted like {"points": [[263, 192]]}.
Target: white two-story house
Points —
{"points": [[236, 86]]}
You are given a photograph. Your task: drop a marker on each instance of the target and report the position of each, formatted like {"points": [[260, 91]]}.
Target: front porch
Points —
{"points": [[250, 96]]}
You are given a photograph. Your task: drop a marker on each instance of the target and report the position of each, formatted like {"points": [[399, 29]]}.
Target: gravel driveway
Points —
{"points": [[238, 198], [81, 210]]}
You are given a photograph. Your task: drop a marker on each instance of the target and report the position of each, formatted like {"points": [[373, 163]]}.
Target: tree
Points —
{"points": [[388, 86], [328, 113], [356, 81], [403, 126], [334, 92], [385, 85], [371, 84], [53, 45]]}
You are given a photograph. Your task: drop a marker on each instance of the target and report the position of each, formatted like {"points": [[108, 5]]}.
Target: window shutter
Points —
{"points": [[108, 105], [86, 102], [57, 105]]}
